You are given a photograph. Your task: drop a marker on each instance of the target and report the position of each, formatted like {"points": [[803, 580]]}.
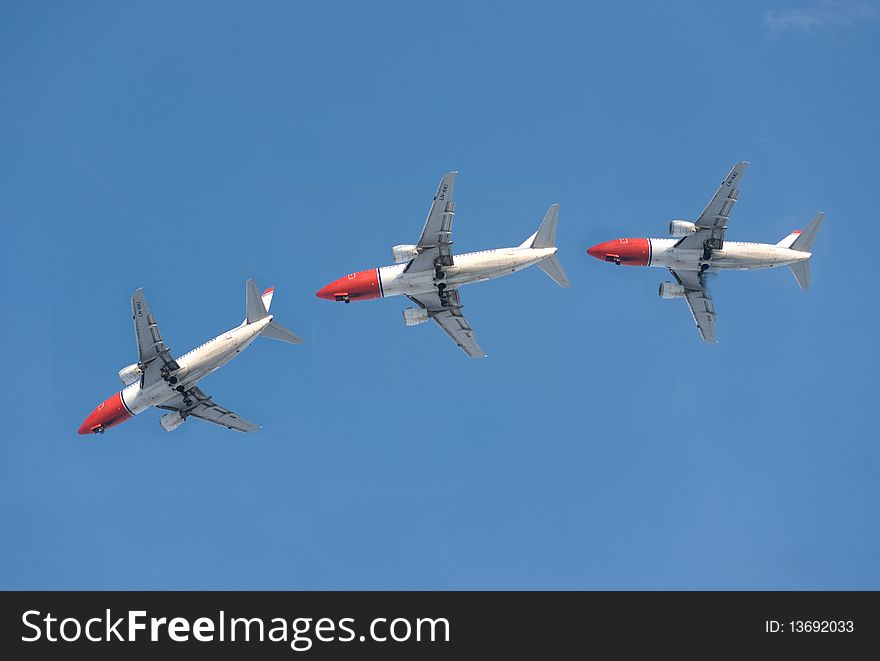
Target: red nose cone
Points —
{"points": [[110, 412], [362, 285], [326, 292], [596, 251], [630, 252]]}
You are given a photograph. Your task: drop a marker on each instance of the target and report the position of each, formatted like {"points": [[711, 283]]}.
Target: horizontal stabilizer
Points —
{"points": [[545, 237], [276, 331], [801, 272], [552, 267], [804, 242], [256, 309]]}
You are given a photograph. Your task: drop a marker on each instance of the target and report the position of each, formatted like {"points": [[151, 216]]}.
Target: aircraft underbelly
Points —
{"points": [[454, 276], [192, 368], [215, 358], [485, 272], [138, 400], [737, 257]]}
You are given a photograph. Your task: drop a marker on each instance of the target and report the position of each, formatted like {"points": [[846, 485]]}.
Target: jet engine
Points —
{"points": [[404, 252], [130, 374], [679, 228], [672, 290], [171, 421], [415, 316]]}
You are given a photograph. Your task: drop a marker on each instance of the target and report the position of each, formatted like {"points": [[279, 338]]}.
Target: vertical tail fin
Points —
{"points": [[267, 297], [787, 241], [804, 241]]}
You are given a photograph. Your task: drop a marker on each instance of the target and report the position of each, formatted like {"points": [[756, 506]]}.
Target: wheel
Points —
{"points": [[173, 380], [180, 389], [441, 286]]}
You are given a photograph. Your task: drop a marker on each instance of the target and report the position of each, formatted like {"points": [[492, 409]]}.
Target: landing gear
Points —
{"points": [[172, 380], [441, 286], [703, 268], [180, 388], [439, 262], [710, 245]]}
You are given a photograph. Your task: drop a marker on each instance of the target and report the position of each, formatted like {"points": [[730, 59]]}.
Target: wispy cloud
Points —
{"points": [[822, 16]]}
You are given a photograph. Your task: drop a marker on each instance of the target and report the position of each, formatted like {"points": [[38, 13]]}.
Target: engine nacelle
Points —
{"points": [[679, 228], [672, 290], [130, 374], [171, 421], [415, 316], [404, 252]]}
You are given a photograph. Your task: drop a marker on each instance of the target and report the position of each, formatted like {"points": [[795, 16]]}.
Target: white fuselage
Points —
{"points": [[194, 365], [736, 255], [467, 268]]}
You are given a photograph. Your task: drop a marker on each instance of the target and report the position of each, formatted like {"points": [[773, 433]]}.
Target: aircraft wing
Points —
{"points": [[201, 406], [450, 319], [153, 356], [435, 243], [699, 301], [712, 223]]}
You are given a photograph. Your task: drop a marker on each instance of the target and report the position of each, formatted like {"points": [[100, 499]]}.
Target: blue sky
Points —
{"points": [[601, 445]]}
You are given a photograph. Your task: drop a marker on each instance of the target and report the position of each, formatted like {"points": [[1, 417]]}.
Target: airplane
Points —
{"points": [[698, 250], [158, 379], [429, 274]]}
